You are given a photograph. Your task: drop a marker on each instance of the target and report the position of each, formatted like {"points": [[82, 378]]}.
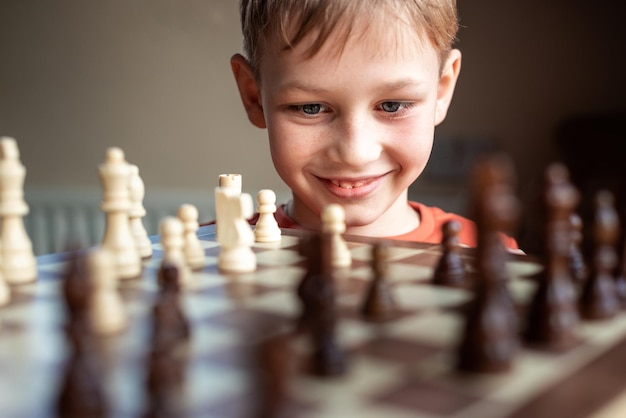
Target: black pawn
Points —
{"points": [[310, 248], [450, 270], [599, 296], [327, 359], [379, 303], [81, 391], [552, 317], [76, 291], [167, 359], [170, 327]]}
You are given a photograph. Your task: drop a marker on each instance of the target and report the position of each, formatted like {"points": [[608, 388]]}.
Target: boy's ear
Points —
{"points": [[447, 82], [248, 90]]}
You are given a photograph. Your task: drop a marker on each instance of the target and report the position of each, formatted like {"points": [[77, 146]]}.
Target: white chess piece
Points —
{"points": [[114, 177], [18, 260], [171, 231], [225, 181], [236, 235], [334, 222], [194, 253], [137, 211], [5, 290], [107, 314], [267, 229]]}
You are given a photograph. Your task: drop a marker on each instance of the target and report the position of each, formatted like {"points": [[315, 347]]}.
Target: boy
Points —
{"points": [[350, 92]]}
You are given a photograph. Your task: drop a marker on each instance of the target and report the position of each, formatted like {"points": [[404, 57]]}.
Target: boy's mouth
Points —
{"points": [[352, 188], [350, 184]]}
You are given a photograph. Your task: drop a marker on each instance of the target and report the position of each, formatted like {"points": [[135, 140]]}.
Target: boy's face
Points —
{"points": [[354, 128]]}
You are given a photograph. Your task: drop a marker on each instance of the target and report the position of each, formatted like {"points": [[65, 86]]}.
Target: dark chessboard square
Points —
{"points": [[354, 313], [251, 324], [236, 290], [397, 350], [246, 405], [425, 259], [425, 396]]}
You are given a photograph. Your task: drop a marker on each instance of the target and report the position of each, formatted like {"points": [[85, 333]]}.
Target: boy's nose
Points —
{"points": [[356, 143]]}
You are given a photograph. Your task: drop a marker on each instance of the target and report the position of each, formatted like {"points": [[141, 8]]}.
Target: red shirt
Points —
{"points": [[429, 229]]}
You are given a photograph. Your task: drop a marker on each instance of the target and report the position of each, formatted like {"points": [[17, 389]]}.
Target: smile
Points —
{"points": [[352, 188], [350, 184]]}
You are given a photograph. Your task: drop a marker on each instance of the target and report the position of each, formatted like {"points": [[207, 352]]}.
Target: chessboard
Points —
{"points": [[401, 367]]}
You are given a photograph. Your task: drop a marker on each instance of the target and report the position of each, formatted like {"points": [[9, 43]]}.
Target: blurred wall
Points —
{"points": [[153, 77]]}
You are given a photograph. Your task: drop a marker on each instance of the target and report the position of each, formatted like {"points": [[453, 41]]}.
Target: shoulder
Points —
{"points": [[432, 220]]}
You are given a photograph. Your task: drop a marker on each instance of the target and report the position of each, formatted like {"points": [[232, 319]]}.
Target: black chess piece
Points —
{"points": [[170, 327], [598, 299], [274, 361], [489, 342], [552, 316], [577, 264], [450, 270], [76, 290], [167, 358], [379, 303], [81, 391], [327, 358], [310, 247]]}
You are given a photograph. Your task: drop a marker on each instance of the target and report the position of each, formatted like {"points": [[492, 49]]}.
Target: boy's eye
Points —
{"points": [[309, 109], [391, 107]]}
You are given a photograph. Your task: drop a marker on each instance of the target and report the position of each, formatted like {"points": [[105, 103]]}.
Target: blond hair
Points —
{"points": [[284, 23]]}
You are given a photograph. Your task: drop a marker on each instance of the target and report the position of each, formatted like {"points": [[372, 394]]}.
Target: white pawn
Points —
{"points": [[5, 290], [107, 314], [171, 231], [114, 177], [266, 229], [137, 211], [236, 236], [18, 260], [334, 223], [194, 253]]}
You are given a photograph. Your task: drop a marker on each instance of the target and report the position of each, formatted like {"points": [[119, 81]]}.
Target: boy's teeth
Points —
{"points": [[345, 185]]}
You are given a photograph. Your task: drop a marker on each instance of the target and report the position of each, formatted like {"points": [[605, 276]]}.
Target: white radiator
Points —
{"points": [[62, 218]]}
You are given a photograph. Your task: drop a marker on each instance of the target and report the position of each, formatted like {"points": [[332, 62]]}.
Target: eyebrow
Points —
{"points": [[393, 85]]}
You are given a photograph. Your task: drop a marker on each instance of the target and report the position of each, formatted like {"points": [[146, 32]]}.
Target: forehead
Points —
{"points": [[384, 34]]}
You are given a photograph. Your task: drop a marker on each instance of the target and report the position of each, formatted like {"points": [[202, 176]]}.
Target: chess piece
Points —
{"points": [[309, 247], [577, 263], [598, 299], [167, 359], [114, 177], [489, 342], [18, 260], [450, 270], [235, 237], [136, 213], [106, 310], [620, 280], [552, 317], [76, 289], [5, 290], [334, 223], [266, 229], [81, 391], [327, 357], [225, 181], [171, 231], [379, 303], [194, 253], [170, 328], [274, 368]]}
